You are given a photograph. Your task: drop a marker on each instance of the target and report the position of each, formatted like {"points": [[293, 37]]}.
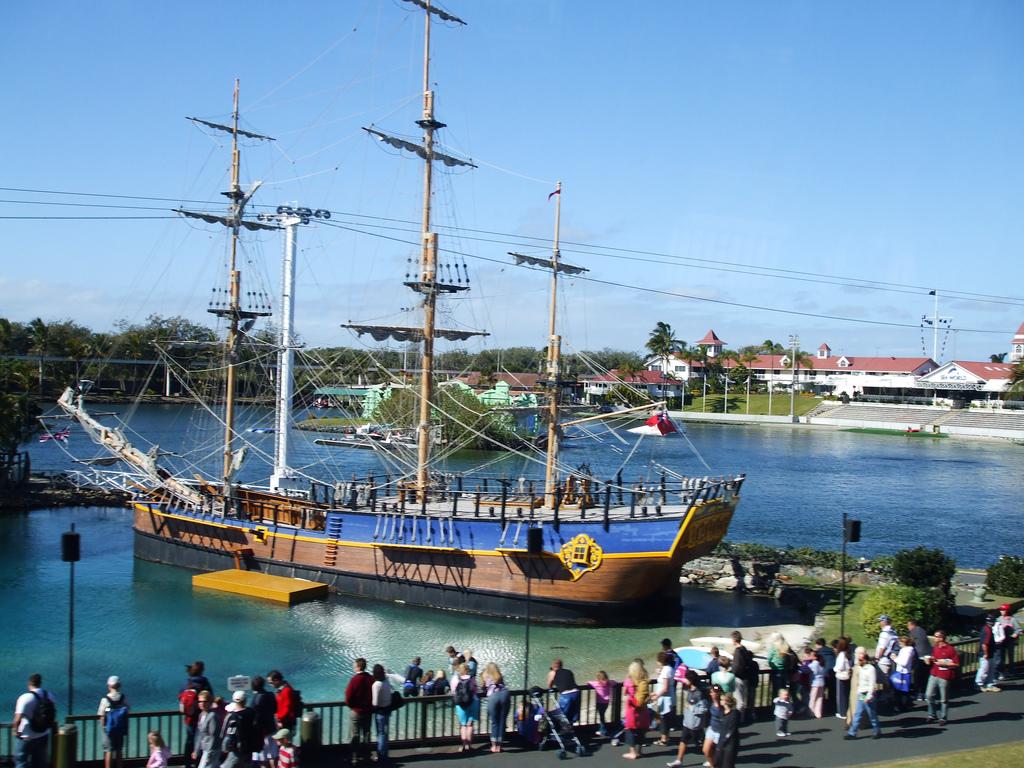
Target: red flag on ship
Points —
{"points": [[660, 424]]}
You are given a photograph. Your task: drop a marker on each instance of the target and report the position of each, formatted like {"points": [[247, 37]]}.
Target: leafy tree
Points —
{"points": [[465, 421], [1006, 576], [18, 410], [770, 347], [606, 360], [998, 358], [627, 395], [923, 567]]}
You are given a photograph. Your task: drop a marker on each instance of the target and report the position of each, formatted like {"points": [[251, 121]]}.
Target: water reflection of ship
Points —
{"points": [[586, 549]]}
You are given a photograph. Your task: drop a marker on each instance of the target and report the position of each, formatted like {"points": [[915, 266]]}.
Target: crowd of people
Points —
{"points": [[257, 725]]}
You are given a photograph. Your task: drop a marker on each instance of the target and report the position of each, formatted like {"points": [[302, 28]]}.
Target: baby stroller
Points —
{"points": [[555, 726]]}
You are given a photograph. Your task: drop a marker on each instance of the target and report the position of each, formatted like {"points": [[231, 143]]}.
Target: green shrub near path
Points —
{"points": [[1006, 576], [927, 606], [923, 567]]}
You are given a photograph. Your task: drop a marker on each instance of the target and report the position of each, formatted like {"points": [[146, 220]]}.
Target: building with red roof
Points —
{"points": [[657, 385], [853, 375], [1017, 345]]}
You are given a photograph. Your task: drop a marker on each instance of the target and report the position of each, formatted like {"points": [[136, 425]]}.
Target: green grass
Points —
{"points": [[758, 404], [1009, 755], [824, 600], [900, 432]]}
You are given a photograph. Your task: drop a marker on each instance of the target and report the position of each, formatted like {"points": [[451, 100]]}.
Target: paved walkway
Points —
{"points": [[975, 720]]}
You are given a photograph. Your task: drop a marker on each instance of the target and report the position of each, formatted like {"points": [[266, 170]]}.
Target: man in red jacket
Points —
{"points": [[359, 700], [287, 701], [944, 662]]}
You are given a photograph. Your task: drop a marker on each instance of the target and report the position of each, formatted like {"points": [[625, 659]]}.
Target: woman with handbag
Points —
{"points": [[636, 692]]}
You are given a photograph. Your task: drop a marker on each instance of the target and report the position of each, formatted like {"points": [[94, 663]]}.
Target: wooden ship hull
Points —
{"points": [[594, 568]]}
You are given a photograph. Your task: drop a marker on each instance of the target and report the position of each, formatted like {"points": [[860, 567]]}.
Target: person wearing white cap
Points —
{"points": [[113, 715], [240, 736]]}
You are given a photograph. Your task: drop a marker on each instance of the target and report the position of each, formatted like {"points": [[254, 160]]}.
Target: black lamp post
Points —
{"points": [[70, 552], [534, 548], [851, 534]]}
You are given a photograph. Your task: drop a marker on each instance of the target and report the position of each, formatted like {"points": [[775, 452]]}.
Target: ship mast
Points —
{"points": [[240, 319], [554, 356], [235, 280], [428, 268], [427, 285]]}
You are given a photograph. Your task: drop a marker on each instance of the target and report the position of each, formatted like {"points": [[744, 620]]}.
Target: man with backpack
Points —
{"points": [[264, 704], [359, 700], [35, 714], [113, 715], [188, 705], [240, 737]]}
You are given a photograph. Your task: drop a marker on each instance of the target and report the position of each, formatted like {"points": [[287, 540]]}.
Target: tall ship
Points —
{"points": [[564, 546]]}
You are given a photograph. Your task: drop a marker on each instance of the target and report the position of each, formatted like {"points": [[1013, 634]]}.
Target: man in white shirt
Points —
{"points": [[32, 743], [888, 643], [866, 680]]}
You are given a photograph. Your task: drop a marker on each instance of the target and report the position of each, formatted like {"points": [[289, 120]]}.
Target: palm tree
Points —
{"points": [[39, 333], [998, 358], [663, 344], [1016, 388]]}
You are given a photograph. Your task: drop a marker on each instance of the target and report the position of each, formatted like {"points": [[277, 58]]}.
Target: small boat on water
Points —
{"points": [[563, 546]]}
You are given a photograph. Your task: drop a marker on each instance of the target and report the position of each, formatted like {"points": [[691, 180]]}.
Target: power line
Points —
{"points": [[626, 254], [674, 294]]}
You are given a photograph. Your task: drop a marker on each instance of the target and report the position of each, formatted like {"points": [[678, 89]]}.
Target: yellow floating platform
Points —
{"points": [[254, 584]]}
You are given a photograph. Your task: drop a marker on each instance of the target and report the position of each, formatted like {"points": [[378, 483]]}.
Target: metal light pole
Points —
{"points": [[794, 343], [70, 552]]}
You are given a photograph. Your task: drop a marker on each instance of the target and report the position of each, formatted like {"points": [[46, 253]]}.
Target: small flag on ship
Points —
{"points": [[61, 435], [556, 192]]}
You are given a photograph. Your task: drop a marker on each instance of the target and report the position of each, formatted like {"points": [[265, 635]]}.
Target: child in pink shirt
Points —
{"points": [[602, 695]]}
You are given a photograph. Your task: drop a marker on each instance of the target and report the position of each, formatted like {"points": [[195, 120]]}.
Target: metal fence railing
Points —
{"points": [[422, 720]]}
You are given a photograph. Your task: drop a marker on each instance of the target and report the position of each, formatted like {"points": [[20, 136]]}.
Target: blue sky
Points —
{"points": [[873, 141]]}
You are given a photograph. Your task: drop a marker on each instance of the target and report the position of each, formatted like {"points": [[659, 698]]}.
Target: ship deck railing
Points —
{"points": [[424, 720], [591, 502]]}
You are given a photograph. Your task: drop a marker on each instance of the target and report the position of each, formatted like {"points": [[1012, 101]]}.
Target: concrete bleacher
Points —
{"points": [[882, 416], [979, 419], [972, 422]]}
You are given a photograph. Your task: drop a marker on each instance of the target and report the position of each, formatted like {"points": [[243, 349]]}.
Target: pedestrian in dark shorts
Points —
{"points": [[696, 713]]}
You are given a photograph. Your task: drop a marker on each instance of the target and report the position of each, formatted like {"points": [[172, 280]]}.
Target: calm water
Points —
{"points": [[143, 621]]}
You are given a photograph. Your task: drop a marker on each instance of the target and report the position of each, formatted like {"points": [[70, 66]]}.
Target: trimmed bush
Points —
{"points": [[1006, 577], [922, 567], [927, 606]]}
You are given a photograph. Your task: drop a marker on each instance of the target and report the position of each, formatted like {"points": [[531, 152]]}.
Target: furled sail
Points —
{"points": [[418, 149], [229, 129], [534, 261], [227, 221], [441, 14], [403, 333]]}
